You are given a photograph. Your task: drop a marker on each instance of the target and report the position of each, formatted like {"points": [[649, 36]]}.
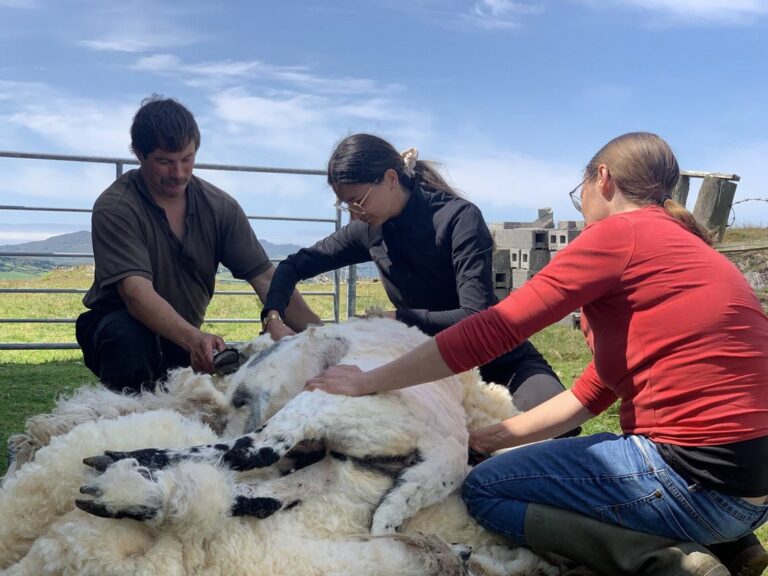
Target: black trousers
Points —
{"points": [[126, 355], [526, 374]]}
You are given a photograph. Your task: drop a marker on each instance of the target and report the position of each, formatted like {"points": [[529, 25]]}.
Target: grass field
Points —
{"points": [[30, 381]]}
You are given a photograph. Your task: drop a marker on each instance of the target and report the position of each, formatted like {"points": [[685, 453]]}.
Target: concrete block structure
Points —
{"points": [[523, 248]]}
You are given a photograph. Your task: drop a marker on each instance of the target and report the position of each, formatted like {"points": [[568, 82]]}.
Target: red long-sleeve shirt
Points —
{"points": [[679, 336]]}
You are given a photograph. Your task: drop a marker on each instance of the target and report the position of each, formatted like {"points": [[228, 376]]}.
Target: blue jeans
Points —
{"points": [[617, 479]]}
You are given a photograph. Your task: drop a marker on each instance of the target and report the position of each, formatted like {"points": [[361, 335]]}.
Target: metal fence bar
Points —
{"points": [[120, 164], [83, 291]]}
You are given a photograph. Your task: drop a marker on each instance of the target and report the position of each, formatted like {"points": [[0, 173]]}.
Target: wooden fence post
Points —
{"points": [[680, 193], [713, 204]]}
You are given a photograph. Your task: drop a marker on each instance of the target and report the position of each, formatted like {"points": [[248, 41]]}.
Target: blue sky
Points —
{"points": [[511, 96]]}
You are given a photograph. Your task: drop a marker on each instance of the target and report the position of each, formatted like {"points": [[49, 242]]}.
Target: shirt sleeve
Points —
{"points": [[241, 251], [582, 272], [589, 390], [346, 246], [119, 247], [471, 248]]}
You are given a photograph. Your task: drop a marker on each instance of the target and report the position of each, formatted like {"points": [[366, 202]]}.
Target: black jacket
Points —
{"points": [[434, 260]]}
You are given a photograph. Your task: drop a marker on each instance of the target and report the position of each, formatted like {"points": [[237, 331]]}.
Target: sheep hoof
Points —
{"points": [[140, 513], [100, 463], [91, 490]]}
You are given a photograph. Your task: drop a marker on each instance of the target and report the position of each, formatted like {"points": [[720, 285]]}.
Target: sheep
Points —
{"points": [[372, 479], [195, 395]]}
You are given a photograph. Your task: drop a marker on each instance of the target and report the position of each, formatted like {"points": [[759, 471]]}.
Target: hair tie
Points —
{"points": [[664, 199], [409, 157]]}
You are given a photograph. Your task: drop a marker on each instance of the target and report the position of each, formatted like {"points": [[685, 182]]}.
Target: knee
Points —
{"points": [[128, 355], [474, 493]]}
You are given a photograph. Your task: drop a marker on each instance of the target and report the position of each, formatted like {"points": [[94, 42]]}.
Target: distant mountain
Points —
{"points": [[72, 242], [80, 243], [279, 250]]}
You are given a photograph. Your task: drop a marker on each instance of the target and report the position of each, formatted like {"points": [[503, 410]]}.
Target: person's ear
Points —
{"points": [[390, 177], [605, 183]]}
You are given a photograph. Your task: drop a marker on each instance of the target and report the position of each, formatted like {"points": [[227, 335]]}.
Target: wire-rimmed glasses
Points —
{"points": [[354, 207], [577, 199]]}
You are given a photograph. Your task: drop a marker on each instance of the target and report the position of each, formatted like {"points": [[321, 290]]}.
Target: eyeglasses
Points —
{"points": [[354, 207], [577, 199]]}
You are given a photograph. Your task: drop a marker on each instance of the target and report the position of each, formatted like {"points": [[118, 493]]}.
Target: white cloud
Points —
{"points": [[304, 127], [699, 11], [119, 45], [51, 183], [219, 73], [139, 25], [512, 186]]}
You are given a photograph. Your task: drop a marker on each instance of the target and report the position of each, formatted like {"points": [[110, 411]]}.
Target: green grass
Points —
{"points": [[30, 381]]}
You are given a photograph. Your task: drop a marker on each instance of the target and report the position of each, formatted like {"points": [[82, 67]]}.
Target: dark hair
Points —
{"points": [[646, 170], [162, 123], [364, 158]]}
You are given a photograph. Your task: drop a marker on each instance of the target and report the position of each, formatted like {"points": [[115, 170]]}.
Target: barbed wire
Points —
{"points": [[732, 218], [750, 200]]}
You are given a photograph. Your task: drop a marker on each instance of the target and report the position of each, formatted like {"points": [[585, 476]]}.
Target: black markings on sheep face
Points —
{"points": [[258, 507]]}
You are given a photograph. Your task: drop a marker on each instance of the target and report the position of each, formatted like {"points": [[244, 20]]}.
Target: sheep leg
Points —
{"points": [[266, 498], [126, 490], [190, 497], [440, 472]]}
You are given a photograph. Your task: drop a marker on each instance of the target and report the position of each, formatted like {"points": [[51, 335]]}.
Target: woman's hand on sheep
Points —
{"points": [[342, 379], [488, 439], [202, 350]]}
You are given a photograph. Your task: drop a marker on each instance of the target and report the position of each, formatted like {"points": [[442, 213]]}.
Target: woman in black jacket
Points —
{"points": [[432, 248]]}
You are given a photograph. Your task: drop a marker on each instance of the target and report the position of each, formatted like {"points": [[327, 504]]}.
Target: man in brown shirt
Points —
{"points": [[159, 234]]}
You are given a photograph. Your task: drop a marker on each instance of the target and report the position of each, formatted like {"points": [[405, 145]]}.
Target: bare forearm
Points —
{"points": [[547, 420], [149, 308], [422, 364], [298, 315]]}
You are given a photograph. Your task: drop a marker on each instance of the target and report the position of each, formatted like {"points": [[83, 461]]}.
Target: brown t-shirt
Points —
{"points": [[132, 237]]}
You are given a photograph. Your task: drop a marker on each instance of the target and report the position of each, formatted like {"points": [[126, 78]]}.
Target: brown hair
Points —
{"points": [[363, 159], [162, 123], [646, 170]]}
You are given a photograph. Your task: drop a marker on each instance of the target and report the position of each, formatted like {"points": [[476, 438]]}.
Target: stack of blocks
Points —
{"points": [[523, 248]]}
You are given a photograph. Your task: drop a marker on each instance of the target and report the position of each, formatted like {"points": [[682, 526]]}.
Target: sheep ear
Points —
{"points": [[334, 349]]}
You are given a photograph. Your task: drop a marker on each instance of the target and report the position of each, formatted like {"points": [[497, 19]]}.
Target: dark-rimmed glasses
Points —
{"points": [[577, 199], [354, 207]]}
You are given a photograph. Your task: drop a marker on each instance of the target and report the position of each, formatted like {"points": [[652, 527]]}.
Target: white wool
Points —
{"points": [[337, 501]]}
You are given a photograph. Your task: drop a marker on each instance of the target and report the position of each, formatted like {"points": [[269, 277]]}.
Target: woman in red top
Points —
{"points": [[679, 338]]}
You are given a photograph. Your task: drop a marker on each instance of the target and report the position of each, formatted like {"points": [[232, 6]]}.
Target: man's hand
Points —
{"points": [[342, 379], [277, 330], [202, 351]]}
